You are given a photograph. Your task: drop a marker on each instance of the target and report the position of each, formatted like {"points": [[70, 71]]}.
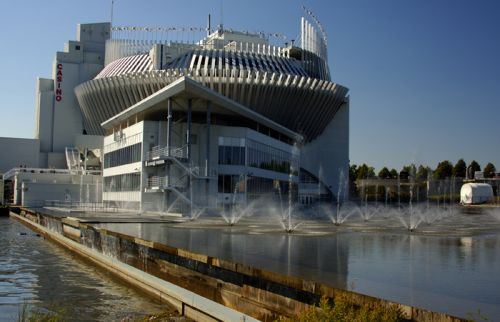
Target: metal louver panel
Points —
{"points": [[302, 104]]}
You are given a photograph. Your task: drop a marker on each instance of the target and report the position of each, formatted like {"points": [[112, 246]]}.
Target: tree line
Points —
{"points": [[444, 169]]}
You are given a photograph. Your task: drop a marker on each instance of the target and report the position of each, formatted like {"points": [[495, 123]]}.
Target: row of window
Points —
{"points": [[126, 155], [123, 182], [232, 151], [266, 157], [233, 155]]}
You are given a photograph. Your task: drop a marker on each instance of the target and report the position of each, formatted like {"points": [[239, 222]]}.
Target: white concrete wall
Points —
{"points": [[35, 193], [130, 136], [330, 150], [67, 116], [49, 181], [44, 109], [16, 151], [89, 141], [122, 169], [59, 118], [56, 160]]}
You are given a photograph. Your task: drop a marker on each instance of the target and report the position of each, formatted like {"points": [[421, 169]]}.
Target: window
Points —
{"points": [[123, 182], [266, 157], [126, 155], [77, 47], [231, 183], [231, 151]]}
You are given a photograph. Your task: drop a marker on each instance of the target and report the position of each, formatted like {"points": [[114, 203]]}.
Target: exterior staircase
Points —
{"points": [[175, 156]]}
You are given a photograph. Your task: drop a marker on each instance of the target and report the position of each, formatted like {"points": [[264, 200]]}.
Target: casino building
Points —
{"points": [[175, 125]]}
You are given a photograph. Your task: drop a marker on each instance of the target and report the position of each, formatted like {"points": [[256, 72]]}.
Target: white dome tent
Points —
{"points": [[476, 193]]}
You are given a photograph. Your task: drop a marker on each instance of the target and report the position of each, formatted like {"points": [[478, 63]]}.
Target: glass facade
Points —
{"points": [[240, 151], [126, 155], [247, 152], [232, 151], [123, 182], [266, 157]]}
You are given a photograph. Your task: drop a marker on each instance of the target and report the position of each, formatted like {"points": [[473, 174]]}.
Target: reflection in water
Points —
{"points": [[456, 275], [36, 271], [306, 257]]}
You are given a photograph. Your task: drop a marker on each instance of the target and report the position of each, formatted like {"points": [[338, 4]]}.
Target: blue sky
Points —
{"points": [[424, 76]]}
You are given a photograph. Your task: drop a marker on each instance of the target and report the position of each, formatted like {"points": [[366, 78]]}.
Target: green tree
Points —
{"points": [[365, 172], [410, 169], [460, 169], [384, 173], [394, 174], [353, 173], [489, 170], [443, 170], [472, 168], [422, 172]]}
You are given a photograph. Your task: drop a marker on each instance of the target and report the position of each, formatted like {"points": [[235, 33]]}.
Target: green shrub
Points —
{"points": [[28, 313], [345, 311]]}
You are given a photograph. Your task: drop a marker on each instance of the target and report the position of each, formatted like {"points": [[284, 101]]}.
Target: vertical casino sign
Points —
{"points": [[59, 77]]}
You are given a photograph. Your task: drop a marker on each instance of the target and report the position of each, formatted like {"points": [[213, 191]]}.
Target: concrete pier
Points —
{"points": [[200, 286]]}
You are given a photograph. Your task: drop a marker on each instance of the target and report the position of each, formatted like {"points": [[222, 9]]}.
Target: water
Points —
{"points": [[38, 272], [451, 266]]}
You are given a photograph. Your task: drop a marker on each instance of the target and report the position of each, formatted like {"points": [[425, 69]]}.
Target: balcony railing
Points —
{"points": [[158, 182], [159, 152]]}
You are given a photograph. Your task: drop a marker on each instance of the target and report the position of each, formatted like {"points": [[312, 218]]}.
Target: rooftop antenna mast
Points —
{"points": [[222, 16], [112, 5]]}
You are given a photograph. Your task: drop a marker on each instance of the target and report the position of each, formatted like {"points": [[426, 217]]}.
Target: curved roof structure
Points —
{"points": [[131, 64], [213, 59], [304, 105], [288, 85]]}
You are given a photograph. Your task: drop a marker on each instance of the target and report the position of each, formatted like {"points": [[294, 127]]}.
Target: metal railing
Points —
{"points": [[158, 182], [73, 160], [12, 172], [74, 205], [159, 152]]}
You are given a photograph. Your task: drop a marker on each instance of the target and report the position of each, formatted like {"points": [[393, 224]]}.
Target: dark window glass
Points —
{"points": [[221, 155], [266, 157], [242, 155], [220, 183], [236, 155], [227, 154], [227, 184], [129, 154]]}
